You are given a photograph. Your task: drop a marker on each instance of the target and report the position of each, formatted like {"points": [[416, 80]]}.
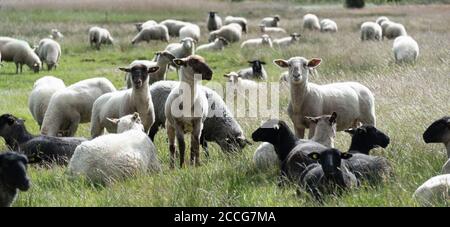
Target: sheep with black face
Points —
{"points": [[439, 132], [13, 177], [256, 71]]}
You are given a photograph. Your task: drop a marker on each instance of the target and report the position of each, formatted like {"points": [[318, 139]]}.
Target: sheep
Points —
{"points": [[184, 48], [271, 30], [365, 138], [13, 177], [73, 105], [439, 132], [174, 26], [99, 36], [113, 157], [352, 101], [371, 31], [271, 21], [231, 32], [19, 52], [287, 41], [56, 34], [381, 20], [140, 26], [120, 103], [311, 22], [434, 191], [38, 149], [405, 49], [392, 30], [327, 25], [192, 31], [218, 45], [213, 22], [39, 98], [189, 96], [256, 71], [239, 84], [152, 32], [265, 40], [239, 20], [219, 127], [49, 51]]}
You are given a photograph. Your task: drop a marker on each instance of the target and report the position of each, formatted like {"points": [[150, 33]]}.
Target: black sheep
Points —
{"points": [[13, 177]]}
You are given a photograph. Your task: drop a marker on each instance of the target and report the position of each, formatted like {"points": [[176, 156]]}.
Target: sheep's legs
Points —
{"points": [[311, 132], [181, 145], [195, 142], [299, 132], [171, 136], [204, 145], [74, 125]]}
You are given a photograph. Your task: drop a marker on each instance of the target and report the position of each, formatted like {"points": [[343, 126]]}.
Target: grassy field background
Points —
{"points": [[408, 97]]}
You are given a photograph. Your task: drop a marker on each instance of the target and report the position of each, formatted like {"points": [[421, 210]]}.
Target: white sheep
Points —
{"points": [[113, 157], [231, 32], [213, 21], [99, 36], [49, 51], [152, 32], [184, 48], [287, 41], [327, 25], [192, 31], [140, 26], [371, 31], [39, 98], [73, 105], [405, 49], [381, 20], [311, 22], [392, 30], [120, 103], [264, 41], [436, 190], [218, 45], [352, 101], [240, 85], [239, 20], [56, 34], [174, 26], [271, 21], [19, 52]]}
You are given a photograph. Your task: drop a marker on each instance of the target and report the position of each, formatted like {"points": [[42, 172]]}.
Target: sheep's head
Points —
{"points": [[139, 74], [138, 26], [257, 66], [36, 66], [438, 131], [128, 122], [188, 43], [276, 18], [233, 77], [330, 160], [212, 14], [266, 40], [299, 67], [295, 37], [271, 131], [13, 171], [325, 124], [195, 65], [8, 124], [369, 137]]}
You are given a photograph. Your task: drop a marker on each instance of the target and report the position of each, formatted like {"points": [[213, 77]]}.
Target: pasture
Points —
{"points": [[408, 97]]}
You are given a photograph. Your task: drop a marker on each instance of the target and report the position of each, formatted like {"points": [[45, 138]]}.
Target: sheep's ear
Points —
{"points": [[333, 118], [250, 62], [314, 156], [311, 119], [281, 63], [346, 155], [262, 62], [226, 75], [153, 69], [314, 62], [350, 131], [114, 121], [125, 69], [179, 62]]}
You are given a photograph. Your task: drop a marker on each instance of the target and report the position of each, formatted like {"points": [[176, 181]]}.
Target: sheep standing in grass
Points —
{"points": [[392, 30], [239, 20], [213, 22], [264, 41], [218, 45], [327, 25], [311, 22], [381, 20], [113, 157], [271, 21], [19, 52], [256, 71], [120, 103], [39, 98], [174, 26], [371, 31], [13, 177], [153, 32], [435, 191], [56, 35], [293, 39], [49, 51], [73, 105], [99, 36], [192, 31], [140, 26], [352, 101], [405, 49], [272, 30], [184, 48], [231, 32]]}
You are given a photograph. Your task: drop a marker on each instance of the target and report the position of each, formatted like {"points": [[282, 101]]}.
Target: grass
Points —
{"points": [[408, 98]]}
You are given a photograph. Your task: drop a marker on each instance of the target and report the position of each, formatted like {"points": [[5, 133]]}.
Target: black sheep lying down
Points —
{"points": [[13, 177], [38, 149]]}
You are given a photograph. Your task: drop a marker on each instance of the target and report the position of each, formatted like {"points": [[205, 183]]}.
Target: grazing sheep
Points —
{"points": [[39, 98], [120, 103], [311, 22], [272, 30], [213, 22], [184, 48], [271, 21], [174, 26], [239, 20], [371, 31], [194, 108], [327, 25], [405, 49], [218, 45], [19, 52], [256, 71], [38, 149], [392, 30], [73, 105], [140, 26], [231, 32], [49, 51], [434, 191], [439, 132], [99, 36], [352, 101], [287, 41], [192, 31], [381, 20], [113, 157], [13, 177], [56, 34], [265, 40], [152, 32]]}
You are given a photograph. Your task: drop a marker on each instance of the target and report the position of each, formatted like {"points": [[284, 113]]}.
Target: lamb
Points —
{"points": [[49, 51], [174, 26], [392, 30], [152, 32], [218, 45], [265, 40], [39, 98], [192, 31], [352, 101], [271, 21], [185, 48], [99, 36], [434, 191], [405, 49], [381, 20], [371, 31], [39, 149], [256, 71], [19, 52], [311, 22], [236, 83], [56, 34], [439, 132], [327, 25], [231, 32], [13, 177], [140, 26], [194, 108], [113, 157], [239, 20], [73, 105], [120, 103], [287, 41], [213, 22], [272, 30]]}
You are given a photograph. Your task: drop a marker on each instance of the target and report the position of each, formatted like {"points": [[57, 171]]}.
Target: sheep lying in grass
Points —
{"points": [[371, 31], [13, 177], [405, 49], [271, 21], [153, 32], [192, 31], [352, 101], [256, 71], [39, 98], [140, 26], [311, 22], [174, 26], [392, 30], [19, 52], [73, 105], [231, 32], [264, 41], [114, 157], [213, 22], [184, 48], [49, 51], [99, 36], [327, 25], [435, 191], [218, 45], [239, 20], [293, 39], [55, 34]]}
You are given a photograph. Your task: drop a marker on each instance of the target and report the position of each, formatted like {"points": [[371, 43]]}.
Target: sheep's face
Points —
{"points": [[36, 67], [324, 123], [139, 74], [233, 77], [438, 131], [330, 160], [7, 122], [13, 171], [128, 122], [257, 66], [270, 131], [266, 40], [212, 14], [299, 68], [188, 43], [195, 65], [369, 136], [295, 37]]}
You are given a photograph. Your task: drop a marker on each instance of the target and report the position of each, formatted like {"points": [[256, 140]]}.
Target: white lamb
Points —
{"points": [[113, 157], [265, 40], [152, 32], [436, 190], [19, 52], [99, 36], [327, 25], [405, 49], [218, 45], [184, 48], [49, 51], [371, 31], [311, 22], [231, 32], [192, 31], [239, 20], [287, 41]]}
